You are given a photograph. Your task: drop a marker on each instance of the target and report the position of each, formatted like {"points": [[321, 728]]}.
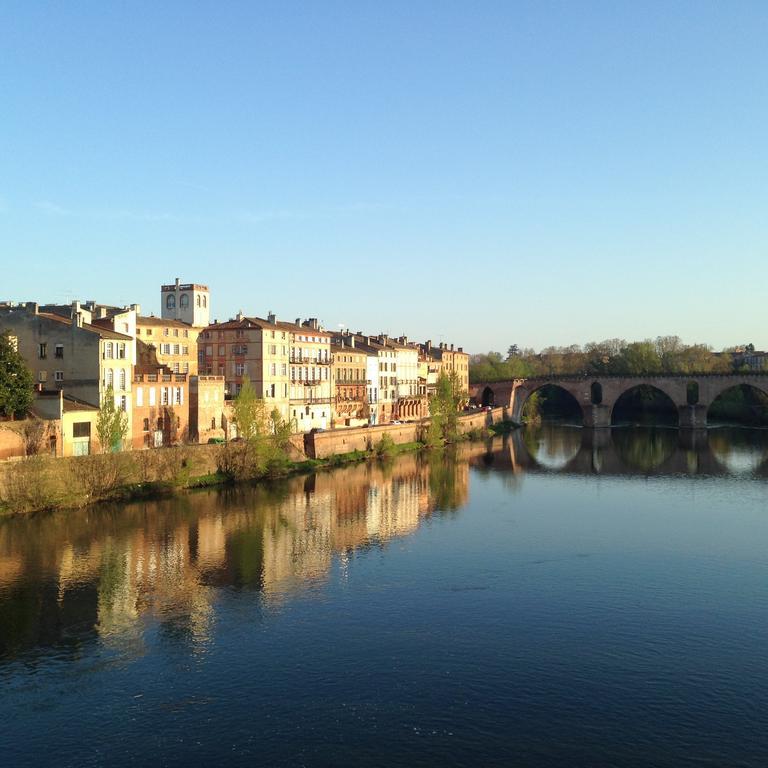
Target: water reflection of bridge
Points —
{"points": [[626, 452]]}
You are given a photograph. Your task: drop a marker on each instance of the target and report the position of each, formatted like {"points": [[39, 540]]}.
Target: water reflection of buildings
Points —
{"points": [[103, 572]]}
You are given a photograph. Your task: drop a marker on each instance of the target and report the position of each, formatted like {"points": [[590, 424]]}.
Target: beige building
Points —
{"points": [[69, 354], [70, 425], [254, 348], [450, 359], [350, 383], [166, 342], [208, 418]]}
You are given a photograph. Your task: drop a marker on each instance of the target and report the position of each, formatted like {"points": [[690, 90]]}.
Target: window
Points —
{"points": [[205, 301], [58, 375], [283, 369], [59, 351], [42, 351], [81, 429], [123, 403], [139, 396], [149, 331], [121, 351], [175, 349], [170, 302], [146, 425], [151, 397], [122, 379], [273, 369], [110, 379], [176, 332], [165, 332], [184, 349], [240, 369], [109, 350], [222, 350], [179, 396], [198, 301], [273, 349], [164, 395], [175, 367], [186, 334], [184, 301]]}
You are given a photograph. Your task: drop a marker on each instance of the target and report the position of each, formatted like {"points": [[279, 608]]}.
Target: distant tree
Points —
{"points": [[111, 424], [16, 381], [513, 351]]}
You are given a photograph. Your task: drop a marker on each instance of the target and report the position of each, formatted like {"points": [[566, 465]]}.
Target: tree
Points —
{"points": [[444, 409], [16, 381], [265, 437], [111, 423], [513, 351]]}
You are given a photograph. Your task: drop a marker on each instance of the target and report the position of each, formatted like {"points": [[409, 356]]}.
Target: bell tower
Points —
{"points": [[187, 302]]}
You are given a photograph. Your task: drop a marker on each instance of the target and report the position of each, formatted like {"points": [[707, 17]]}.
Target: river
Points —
{"points": [[558, 597]]}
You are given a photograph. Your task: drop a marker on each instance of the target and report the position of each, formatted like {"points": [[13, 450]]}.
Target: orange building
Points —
{"points": [[160, 408]]}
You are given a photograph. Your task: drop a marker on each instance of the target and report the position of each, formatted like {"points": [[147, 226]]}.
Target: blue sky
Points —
{"points": [[485, 173]]}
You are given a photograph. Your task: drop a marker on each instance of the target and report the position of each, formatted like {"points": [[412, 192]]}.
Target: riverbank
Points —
{"points": [[41, 483]]}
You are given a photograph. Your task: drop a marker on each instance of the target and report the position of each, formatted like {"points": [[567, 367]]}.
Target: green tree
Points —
{"points": [[16, 382], [265, 437], [444, 408], [111, 423]]}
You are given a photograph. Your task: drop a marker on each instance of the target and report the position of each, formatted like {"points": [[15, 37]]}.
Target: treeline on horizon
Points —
{"points": [[666, 354]]}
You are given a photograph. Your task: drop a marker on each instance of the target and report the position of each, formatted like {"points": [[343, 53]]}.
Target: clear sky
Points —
{"points": [[478, 172]]}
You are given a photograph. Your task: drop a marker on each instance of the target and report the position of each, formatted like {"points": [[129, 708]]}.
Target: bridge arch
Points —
{"points": [[524, 393], [748, 402], [633, 399]]}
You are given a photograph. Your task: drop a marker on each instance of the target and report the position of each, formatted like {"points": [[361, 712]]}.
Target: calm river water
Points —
{"points": [[556, 598]]}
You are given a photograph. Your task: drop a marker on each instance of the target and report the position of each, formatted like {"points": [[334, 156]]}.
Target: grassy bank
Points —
{"points": [[41, 483]]}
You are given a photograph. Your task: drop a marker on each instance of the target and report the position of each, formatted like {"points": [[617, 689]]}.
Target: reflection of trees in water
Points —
{"points": [[446, 493], [644, 449], [741, 451], [552, 445]]}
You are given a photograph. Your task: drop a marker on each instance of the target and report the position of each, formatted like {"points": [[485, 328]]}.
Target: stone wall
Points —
{"points": [[320, 445]]}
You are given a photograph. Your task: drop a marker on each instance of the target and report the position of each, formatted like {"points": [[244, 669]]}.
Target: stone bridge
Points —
{"points": [[597, 395]]}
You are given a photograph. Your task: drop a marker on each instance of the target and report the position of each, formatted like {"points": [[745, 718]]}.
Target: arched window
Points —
{"points": [[170, 302], [110, 378], [198, 300], [596, 393], [184, 301], [122, 379], [205, 302]]}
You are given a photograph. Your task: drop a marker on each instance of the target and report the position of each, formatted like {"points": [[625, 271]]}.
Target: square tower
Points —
{"points": [[187, 302]]}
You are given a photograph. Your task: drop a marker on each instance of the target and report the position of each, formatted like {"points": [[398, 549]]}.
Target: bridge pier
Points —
{"points": [[692, 416], [597, 416]]}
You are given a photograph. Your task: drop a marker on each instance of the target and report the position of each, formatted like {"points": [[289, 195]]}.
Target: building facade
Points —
{"points": [[169, 343]]}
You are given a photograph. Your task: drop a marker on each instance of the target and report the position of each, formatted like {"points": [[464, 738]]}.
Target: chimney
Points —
{"points": [[352, 342], [461, 349], [451, 347], [428, 345], [271, 317], [298, 321], [178, 282], [240, 316]]}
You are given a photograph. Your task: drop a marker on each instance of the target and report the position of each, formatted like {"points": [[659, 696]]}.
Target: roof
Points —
{"points": [[144, 320], [262, 324], [105, 333]]}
